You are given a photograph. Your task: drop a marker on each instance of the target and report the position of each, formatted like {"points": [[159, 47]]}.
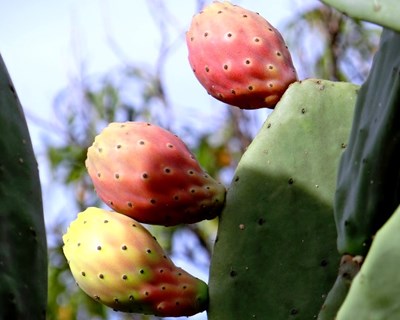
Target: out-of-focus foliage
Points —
{"points": [[135, 92], [329, 45]]}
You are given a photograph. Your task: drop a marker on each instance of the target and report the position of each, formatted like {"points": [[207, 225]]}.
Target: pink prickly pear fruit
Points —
{"points": [[117, 262], [239, 57], [149, 174]]}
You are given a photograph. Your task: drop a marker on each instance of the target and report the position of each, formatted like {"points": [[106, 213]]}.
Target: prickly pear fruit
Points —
{"points": [[148, 173], [116, 261], [239, 57]]}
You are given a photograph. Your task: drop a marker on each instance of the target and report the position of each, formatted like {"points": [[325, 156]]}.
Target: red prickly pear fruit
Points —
{"points": [[239, 57], [149, 174], [117, 262]]}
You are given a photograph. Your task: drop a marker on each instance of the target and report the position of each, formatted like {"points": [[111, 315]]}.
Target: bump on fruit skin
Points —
{"points": [[117, 262], [149, 174], [239, 57]]}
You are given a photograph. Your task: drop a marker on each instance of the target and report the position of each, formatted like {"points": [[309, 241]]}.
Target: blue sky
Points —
{"points": [[45, 43]]}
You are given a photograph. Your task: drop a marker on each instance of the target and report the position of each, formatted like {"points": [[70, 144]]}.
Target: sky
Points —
{"points": [[46, 43]]}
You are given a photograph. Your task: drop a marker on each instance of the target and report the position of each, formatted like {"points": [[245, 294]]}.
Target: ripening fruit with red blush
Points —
{"points": [[239, 57], [148, 173], [117, 262]]}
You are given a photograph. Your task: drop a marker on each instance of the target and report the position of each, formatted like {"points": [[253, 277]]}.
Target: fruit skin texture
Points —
{"points": [[117, 262], [148, 173], [239, 57]]}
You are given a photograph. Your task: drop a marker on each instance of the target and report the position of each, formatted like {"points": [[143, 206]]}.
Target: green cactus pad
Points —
{"points": [[348, 269], [382, 12], [368, 185], [23, 251], [375, 291], [275, 255]]}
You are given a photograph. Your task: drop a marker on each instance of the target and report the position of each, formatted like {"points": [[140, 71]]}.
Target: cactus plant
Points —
{"points": [[382, 12], [375, 291], [348, 269], [276, 252], [293, 206], [368, 186], [23, 251]]}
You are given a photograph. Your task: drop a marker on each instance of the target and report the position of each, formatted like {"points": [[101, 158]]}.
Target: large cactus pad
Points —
{"points": [[275, 255], [382, 12], [23, 255], [368, 186]]}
